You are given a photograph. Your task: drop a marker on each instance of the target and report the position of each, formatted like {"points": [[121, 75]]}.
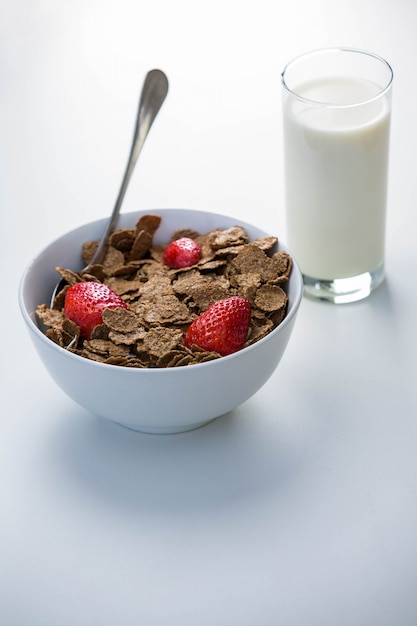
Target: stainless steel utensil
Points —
{"points": [[154, 91]]}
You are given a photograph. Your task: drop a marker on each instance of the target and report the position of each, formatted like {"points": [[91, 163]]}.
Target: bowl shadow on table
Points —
{"points": [[229, 460]]}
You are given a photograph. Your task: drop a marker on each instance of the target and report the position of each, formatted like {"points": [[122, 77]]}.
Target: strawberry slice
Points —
{"points": [[85, 303], [222, 328], [182, 252]]}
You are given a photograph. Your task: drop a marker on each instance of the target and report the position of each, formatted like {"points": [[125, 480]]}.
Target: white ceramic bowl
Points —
{"points": [[153, 400]]}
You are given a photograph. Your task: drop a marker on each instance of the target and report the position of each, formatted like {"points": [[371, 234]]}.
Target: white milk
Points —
{"points": [[336, 164]]}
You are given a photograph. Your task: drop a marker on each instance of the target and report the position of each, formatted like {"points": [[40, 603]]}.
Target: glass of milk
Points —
{"points": [[337, 107]]}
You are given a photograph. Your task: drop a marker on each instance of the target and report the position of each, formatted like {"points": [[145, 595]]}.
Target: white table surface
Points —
{"points": [[300, 507]]}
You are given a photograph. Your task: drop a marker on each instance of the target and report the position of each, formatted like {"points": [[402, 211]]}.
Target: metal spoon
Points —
{"points": [[154, 91]]}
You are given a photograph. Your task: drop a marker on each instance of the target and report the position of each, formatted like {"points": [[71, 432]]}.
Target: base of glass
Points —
{"points": [[344, 290]]}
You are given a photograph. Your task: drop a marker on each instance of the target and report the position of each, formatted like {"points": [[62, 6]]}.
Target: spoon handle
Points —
{"points": [[154, 91]]}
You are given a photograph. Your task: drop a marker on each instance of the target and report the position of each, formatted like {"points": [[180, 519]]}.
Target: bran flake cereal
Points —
{"points": [[163, 302]]}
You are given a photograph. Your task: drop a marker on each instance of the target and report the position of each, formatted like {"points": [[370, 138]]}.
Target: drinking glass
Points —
{"points": [[336, 110]]}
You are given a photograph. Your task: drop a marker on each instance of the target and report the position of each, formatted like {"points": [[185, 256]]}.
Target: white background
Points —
{"points": [[300, 507]]}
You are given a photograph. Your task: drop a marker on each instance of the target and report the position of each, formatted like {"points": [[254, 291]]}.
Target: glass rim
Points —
{"points": [[318, 51]]}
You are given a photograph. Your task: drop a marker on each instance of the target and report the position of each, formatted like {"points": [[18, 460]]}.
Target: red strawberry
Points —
{"points": [[85, 303], [222, 328], [182, 252]]}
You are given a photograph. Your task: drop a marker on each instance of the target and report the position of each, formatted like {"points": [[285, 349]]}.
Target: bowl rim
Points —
{"points": [[32, 325]]}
